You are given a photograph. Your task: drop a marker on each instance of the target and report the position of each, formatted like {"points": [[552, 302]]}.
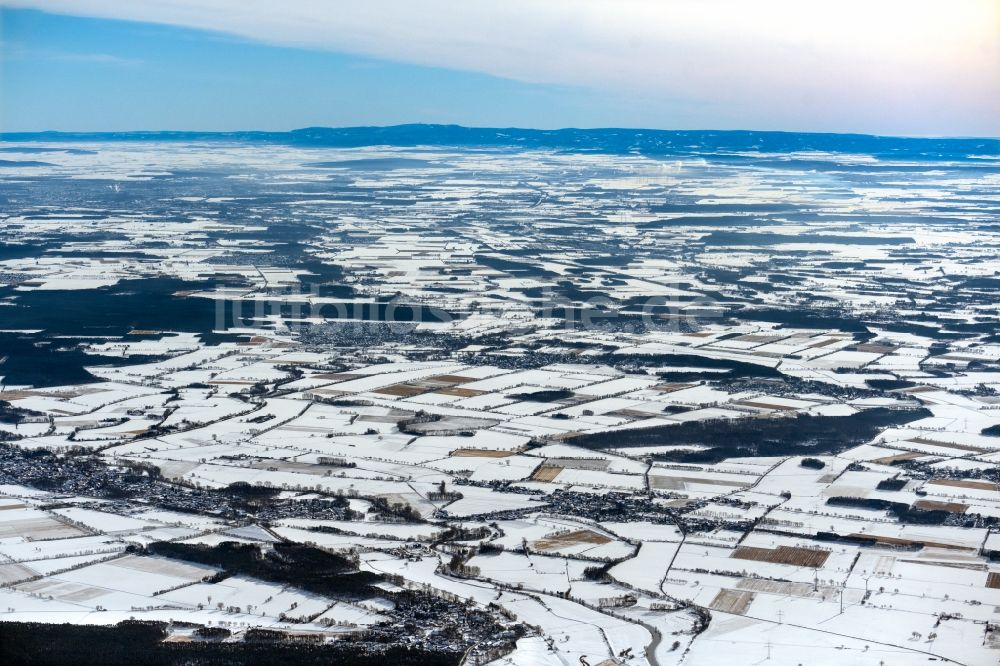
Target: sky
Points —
{"points": [[896, 67]]}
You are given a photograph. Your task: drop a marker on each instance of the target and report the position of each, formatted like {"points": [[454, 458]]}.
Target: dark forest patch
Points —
{"points": [[730, 238], [136, 642], [803, 434], [374, 164], [553, 395], [307, 568]]}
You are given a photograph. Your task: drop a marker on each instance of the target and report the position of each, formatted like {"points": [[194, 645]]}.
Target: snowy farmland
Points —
{"points": [[505, 406]]}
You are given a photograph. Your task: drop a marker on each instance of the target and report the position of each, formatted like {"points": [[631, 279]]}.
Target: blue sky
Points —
{"points": [[83, 74], [93, 65]]}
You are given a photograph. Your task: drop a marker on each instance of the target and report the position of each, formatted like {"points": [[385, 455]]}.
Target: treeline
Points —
{"points": [[892, 484], [903, 512], [549, 395], [735, 369], [462, 533], [249, 491], [401, 510], [803, 434], [137, 642], [889, 384], [406, 425], [599, 572], [305, 567], [826, 319], [13, 415]]}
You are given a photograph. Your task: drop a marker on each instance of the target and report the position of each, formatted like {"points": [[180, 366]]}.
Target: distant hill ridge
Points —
{"points": [[606, 140]]}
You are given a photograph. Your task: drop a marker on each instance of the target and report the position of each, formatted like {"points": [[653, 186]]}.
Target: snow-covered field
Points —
{"points": [[511, 442]]}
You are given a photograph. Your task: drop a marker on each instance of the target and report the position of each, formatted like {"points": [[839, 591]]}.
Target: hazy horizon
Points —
{"points": [[679, 130]]}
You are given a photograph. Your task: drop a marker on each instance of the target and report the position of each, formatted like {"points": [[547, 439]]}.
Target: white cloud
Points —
{"points": [[13, 51], [904, 66], [97, 58]]}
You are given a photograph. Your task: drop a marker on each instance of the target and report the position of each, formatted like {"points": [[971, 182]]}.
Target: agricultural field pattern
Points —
{"points": [[429, 395]]}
